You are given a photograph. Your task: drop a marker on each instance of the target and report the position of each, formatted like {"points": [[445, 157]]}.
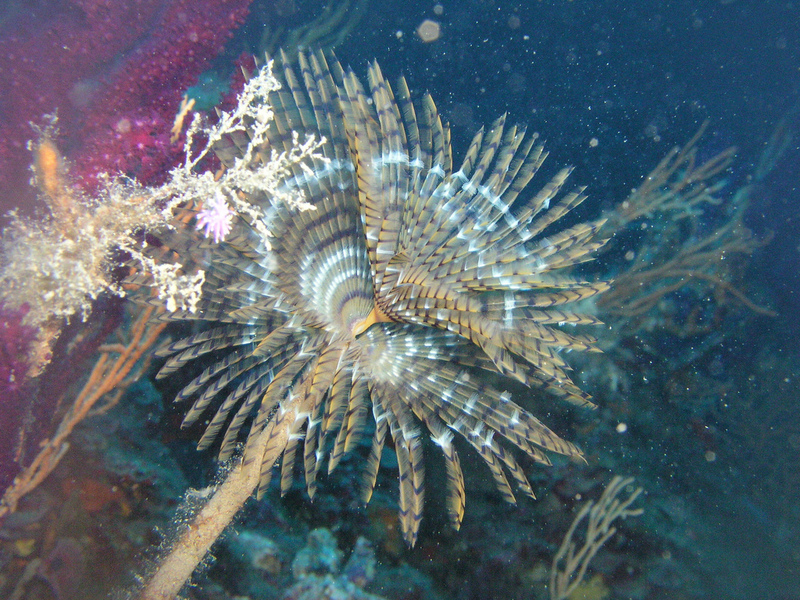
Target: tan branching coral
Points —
{"points": [[678, 187], [573, 556], [675, 250]]}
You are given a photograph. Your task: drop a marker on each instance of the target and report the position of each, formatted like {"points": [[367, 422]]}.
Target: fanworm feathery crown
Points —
{"points": [[405, 280]]}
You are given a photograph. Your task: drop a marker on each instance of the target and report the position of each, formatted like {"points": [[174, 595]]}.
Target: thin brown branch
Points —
{"points": [[109, 373]]}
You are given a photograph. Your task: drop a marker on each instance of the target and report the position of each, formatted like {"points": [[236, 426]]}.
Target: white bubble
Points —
{"points": [[429, 31]]}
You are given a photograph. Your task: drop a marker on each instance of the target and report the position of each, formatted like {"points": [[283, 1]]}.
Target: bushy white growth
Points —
{"points": [[58, 268], [249, 174]]}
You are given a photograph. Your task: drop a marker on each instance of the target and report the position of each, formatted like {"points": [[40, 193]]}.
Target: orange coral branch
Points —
{"points": [[109, 373]]}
